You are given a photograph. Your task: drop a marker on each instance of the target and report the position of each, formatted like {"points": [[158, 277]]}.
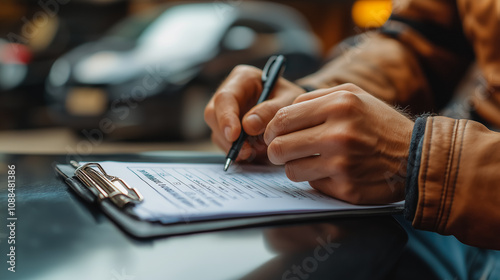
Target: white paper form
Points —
{"points": [[188, 192]]}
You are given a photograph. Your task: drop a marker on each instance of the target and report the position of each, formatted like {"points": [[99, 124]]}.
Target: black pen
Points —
{"points": [[270, 75]]}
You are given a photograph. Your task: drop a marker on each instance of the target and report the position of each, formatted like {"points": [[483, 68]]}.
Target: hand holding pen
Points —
{"points": [[231, 109], [272, 72]]}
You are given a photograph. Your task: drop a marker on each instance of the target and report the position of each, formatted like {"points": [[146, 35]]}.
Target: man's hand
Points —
{"points": [[345, 142], [233, 106]]}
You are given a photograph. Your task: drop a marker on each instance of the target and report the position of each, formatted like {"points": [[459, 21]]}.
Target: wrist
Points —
{"points": [[311, 83], [307, 88]]}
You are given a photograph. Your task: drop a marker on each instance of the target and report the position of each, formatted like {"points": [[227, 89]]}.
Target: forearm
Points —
{"points": [[380, 65], [457, 184], [415, 59]]}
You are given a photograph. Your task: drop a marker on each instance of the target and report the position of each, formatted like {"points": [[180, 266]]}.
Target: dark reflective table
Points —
{"points": [[58, 236]]}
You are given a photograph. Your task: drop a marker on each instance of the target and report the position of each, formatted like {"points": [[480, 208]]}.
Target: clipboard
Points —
{"points": [[116, 199]]}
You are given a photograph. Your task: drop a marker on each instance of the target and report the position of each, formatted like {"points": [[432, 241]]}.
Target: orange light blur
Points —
{"points": [[371, 13]]}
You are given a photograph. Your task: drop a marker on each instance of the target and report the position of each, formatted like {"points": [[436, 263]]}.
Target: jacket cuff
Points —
{"points": [[439, 186], [413, 168]]}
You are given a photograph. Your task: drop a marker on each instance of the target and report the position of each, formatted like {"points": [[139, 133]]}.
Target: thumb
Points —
{"points": [[255, 121]]}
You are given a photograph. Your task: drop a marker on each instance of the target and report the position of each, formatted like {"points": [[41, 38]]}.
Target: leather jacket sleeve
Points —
{"points": [[459, 182], [415, 59]]}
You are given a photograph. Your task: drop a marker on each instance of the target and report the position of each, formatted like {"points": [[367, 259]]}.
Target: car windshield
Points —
{"points": [[184, 31]]}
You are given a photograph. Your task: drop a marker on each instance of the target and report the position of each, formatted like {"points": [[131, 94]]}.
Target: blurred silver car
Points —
{"points": [[151, 76]]}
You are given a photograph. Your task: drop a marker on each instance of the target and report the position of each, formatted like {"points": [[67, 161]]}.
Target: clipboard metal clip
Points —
{"points": [[105, 186]]}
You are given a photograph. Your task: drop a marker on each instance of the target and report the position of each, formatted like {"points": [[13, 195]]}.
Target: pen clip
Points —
{"points": [[270, 65], [267, 68], [105, 185]]}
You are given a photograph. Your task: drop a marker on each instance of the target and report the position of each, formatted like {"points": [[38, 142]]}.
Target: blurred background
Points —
{"points": [[114, 76]]}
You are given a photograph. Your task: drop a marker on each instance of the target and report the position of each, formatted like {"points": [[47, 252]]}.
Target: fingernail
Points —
{"points": [[256, 123], [245, 152], [227, 133], [267, 139]]}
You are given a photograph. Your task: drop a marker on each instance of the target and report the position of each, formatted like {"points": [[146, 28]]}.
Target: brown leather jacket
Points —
{"points": [[417, 59]]}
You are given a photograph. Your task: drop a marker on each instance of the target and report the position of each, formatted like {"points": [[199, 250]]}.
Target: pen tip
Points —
{"points": [[228, 163]]}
